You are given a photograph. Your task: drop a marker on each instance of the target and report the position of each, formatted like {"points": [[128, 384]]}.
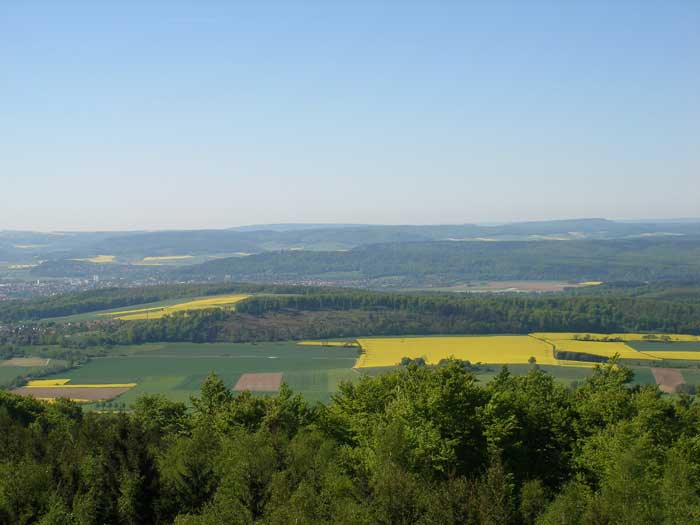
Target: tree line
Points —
{"points": [[354, 313]]}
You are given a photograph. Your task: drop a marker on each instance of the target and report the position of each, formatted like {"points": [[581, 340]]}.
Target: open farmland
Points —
{"points": [[77, 393], [497, 349], [154, 310], [17, 367], [668, 379], [218, 301], [631, 337], [99, 259], [25, 362], [651, 347], [178, 369], [265, 382], [600, 349], [167, 258]]}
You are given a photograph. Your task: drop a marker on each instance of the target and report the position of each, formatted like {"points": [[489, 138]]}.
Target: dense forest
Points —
{"points": [[416, 446], [449, 262]]}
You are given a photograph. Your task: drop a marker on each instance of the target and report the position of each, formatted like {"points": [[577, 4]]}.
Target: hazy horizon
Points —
{"points": [[170, 115], [244, 227]]}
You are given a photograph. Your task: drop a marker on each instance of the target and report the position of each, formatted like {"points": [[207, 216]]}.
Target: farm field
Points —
{"points": [[314, 370], [600, 349], [652, 347], [24, 362], [154, 310], [99, 259], [178, 369], [496, 349], [9, 373], [519, 349], [623, 337], [79, 393], [218, 301]]}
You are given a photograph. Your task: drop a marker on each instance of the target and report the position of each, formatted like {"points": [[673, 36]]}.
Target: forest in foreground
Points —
{"points": [[417, 445]]}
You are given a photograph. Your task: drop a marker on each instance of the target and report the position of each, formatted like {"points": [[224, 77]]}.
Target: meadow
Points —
{"points": [[11, 369], [178, 369]]}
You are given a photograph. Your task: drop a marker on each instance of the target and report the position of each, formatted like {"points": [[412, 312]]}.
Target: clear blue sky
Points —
{"points": [[122, 115]]}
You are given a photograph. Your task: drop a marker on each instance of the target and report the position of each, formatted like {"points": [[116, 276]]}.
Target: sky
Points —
{"points": [[211, 114]]}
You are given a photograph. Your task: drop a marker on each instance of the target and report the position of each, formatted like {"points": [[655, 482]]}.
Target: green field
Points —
{"points": [[178, 369], [8, 373]]}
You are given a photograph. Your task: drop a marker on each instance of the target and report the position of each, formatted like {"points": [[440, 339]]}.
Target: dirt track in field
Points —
{"points": [[259, 382], [89, 394], [668, 379]]}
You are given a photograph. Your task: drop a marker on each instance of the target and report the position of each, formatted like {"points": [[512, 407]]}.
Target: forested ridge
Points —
{"points": [[416, 446], [108, 298], [349, 313], [450, 262], [406, 263]]}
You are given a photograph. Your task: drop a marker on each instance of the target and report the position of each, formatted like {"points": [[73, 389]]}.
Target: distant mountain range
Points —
{"points": [[133, 246], [368, 255]]}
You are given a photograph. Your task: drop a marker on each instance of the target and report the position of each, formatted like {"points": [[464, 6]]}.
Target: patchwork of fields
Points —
{"points": [[497, 349], [316, 368], [178, 369], [545, 348]]}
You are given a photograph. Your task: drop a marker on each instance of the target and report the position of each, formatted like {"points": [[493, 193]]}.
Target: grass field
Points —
{"points": [[178, 369], [10, 373], [513, 349]]}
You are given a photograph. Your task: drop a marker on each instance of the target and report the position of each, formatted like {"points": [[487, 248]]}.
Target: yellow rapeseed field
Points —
{"points": [[342, 344], [196, 304], [167, 258], [66, 385], [507, 349], [47, 382], [98, 259]]}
